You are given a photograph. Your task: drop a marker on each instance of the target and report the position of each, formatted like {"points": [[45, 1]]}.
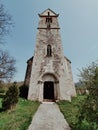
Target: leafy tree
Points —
{"points": [[11, 98], [7, 66], [88, 116], [87, 74]]}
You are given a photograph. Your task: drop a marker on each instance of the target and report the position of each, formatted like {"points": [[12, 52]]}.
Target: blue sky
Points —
{"points": [[78, 20]]}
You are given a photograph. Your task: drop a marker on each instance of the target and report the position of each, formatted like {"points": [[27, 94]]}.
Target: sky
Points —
{"points": [[78, 20]]}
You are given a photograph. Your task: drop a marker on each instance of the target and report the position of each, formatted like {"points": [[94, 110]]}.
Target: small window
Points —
{"points": [[49, 50], [48, 20]]}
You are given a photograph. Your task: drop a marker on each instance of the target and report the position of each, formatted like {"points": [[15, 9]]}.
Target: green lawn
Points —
{"points": [[20, 118], [70, 110], [0, 102]]}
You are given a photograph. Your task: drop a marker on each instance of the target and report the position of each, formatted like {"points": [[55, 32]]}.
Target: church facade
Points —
{"points": [[49, 74]]}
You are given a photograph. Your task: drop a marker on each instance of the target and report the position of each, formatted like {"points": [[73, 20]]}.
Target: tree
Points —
{"points": [[5, 22], [11, 97], [87, 74], [88, 117], [23, 91], [7, 68]]}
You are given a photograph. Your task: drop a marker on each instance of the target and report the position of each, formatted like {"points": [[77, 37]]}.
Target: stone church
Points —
{"points": [[48, 73]]}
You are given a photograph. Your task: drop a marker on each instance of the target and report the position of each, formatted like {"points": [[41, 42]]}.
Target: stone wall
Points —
{"points": [[55, 65], [28, 72]]}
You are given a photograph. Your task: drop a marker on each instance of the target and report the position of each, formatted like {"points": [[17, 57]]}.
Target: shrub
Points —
{"points": [[23, 91], [11, 98], [2, 90], [85, 125]]}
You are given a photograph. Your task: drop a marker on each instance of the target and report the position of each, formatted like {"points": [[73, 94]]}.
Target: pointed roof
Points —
{"points": [[45, 13]]}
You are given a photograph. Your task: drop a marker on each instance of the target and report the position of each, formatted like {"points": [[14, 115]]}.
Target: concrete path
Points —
{"points": [[48, 117]]}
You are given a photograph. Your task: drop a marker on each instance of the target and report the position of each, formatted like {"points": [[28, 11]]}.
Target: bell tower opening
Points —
{"points": [[48, 93]]}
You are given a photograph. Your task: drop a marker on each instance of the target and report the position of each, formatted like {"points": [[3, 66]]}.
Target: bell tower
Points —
{"points": [[50, 76]]}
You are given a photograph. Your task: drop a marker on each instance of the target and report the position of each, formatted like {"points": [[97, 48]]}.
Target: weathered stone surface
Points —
{"points": [[49, 117], [50, 65], [28, 71]]}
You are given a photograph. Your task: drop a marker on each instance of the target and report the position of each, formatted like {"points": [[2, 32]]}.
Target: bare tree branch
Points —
{"points": [[6, 22], [7, 68]]}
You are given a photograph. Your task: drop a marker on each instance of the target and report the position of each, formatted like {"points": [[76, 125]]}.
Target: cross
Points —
{"points": [[48, 20]]}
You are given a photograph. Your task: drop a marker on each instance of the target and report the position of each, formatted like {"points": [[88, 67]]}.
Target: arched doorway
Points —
{"points": [[50, 87], [48, 92]]}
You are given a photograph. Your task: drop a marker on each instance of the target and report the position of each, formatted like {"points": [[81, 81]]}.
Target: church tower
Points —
{"points": [[48, 74]]}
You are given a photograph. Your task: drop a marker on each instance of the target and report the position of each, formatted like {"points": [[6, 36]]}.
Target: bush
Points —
{"points": [[11, 98], [85, 125], [2, 90], [23, 91]]}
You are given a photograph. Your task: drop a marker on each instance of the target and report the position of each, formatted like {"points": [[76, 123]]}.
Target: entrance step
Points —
{"points": [[48, 102]]}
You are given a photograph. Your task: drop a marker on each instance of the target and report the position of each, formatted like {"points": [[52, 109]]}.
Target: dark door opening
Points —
{"points": [[49, 90]]}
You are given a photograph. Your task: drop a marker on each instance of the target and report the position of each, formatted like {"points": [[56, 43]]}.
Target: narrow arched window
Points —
{"points": [[49, 50]]}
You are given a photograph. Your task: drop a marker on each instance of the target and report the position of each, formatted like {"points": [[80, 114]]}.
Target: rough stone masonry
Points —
{"points": [[49, 74]]}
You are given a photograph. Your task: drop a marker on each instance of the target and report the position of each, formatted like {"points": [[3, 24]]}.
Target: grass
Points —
{"points": [[70, 110], [20, 118], [0, 102]]}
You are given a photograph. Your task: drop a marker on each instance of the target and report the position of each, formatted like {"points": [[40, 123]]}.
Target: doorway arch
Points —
{"points": [[48, 92], [50, 87]]}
